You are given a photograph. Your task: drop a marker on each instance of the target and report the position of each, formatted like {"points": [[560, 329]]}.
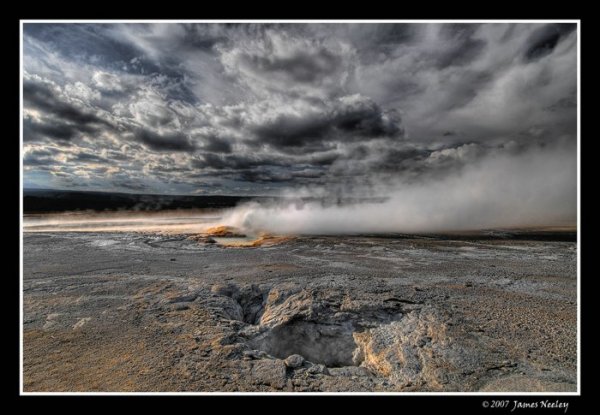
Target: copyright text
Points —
{"points": [[513, 405]]}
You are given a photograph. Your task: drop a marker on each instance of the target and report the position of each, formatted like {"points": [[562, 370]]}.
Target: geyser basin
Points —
{"points": [[201, 322]]}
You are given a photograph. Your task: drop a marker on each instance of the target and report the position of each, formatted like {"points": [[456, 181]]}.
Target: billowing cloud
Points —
{"points": [[279, 62], [106, 81], [543, 40], [46, 98], [348, 118], [163, 142]]}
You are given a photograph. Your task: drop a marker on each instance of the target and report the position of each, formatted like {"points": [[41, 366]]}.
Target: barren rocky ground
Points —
{"points": [[140, 312]]}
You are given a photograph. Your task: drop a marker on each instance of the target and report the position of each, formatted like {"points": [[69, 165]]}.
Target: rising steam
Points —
{"points": [[535, 188]]}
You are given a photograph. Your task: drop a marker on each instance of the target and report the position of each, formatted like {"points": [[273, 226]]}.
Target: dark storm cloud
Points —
{"points": [[255, 168], [323, 159], [543, 41], [233, 162], [394, 159], [216, 144], [37, 162], [290, 61], [38, 131], [400, 160], [393, 34], [568, 102], [464, 46], [39, 96], [292, 131], [364, 118], [348, 119], [302, 66], [278, 175], [291, 104], [88, 157], [275, 168], [369, 39], [203, 37], [39, 157], [463, 87], [163, 142]]}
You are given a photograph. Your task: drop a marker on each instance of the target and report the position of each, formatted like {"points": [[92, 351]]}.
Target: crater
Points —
{"points": [[330, 344], [282, 322], [247, 303]]}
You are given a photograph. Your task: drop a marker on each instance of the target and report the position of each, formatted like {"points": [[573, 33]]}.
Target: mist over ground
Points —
{"points": [[529, 189]]}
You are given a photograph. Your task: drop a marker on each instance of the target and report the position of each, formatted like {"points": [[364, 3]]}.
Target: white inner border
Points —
{"points": [[578, 22]]}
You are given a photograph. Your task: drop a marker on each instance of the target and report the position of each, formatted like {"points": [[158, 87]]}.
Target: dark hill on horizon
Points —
{"points": [[48, 200]]}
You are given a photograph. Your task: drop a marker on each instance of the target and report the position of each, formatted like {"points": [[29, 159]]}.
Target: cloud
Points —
{"points": [[88, 157], [37, 131], [277, 61], [52, 113], [351, 108], [460, 45], [348, 118], [543, 40], [82, 92], [358, 115], [163, 142], [216, 144], [106, 81], [46, 97], [38, 157], [300, 65]]}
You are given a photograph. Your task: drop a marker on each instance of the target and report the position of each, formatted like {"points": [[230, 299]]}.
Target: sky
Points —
{"points": [[260, 109]]}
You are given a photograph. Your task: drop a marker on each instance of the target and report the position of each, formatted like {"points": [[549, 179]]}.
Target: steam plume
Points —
{"points": [[535, 188]]}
